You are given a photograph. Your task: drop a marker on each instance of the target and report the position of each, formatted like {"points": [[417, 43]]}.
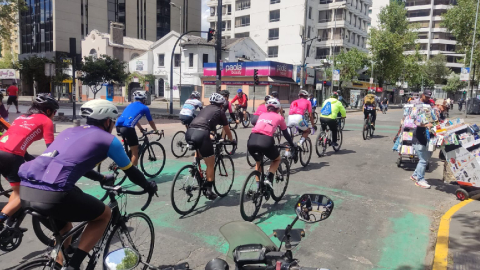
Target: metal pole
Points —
{"points": [[254, 96], [73, 55], [471, 56], [218, 46], [181, 19], [334, 46], [304, 50]]}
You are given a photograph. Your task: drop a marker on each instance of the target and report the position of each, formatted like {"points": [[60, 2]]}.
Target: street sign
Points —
{"points": [[336, 75], [221, 65], [49, 69], [465, 74], [371, 80], [401, 92]]}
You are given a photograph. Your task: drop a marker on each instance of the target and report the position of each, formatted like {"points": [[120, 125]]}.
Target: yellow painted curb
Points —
{"points": [[441, 248]]}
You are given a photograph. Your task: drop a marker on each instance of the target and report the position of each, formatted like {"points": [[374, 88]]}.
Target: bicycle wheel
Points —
{"points": [[371, 131], [315, 117], [250, 160], [246, 120], [319, 144], [179, 144], [5, 187], [280, 181], [136, 232], [185, 191], [339, 141], [306, 152], [278, 135], [224, 175], [366, 129], [342, 125], [251, 197], [152, 159], [230, 149], [42, 263]]}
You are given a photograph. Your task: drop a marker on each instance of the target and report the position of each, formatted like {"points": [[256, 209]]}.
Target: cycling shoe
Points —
{"points": [[211, 195]]}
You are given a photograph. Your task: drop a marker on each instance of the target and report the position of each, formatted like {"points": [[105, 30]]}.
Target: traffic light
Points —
{"points": [[255, 77], [464, 92], [324, 83], [211, 33]]}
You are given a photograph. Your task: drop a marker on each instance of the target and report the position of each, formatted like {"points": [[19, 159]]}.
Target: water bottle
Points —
{"points": [[288, 153]]}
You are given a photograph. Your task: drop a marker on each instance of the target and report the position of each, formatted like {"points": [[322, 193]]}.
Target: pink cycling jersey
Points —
{"points": [[268, 122], [299, 106], [261, 109]]}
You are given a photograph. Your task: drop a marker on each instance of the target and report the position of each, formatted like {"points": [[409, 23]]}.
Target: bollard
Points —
{"points": [[54, 128], [76, 122]]}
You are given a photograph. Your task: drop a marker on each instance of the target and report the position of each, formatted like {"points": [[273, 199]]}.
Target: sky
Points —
{"points": [[205, 14]]}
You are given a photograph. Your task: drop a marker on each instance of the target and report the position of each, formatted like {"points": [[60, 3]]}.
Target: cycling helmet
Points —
{"points": [[371, 91], [217, 99], [217, 264], [267, 97], [225, 93], [239, 91], [195, 94], [334, 95], [273, 102], [274, 94], [139, 95], [99, 109], [303, 93], [46, 101]]}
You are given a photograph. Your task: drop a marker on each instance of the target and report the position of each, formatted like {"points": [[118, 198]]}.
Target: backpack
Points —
{"points": [[370, 99], [326, 109]]}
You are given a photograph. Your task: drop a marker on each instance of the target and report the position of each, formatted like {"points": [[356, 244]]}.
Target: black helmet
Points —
{"points": [[46, 101], [267, 97], [274, 94], [225, 93], [217, 264]]}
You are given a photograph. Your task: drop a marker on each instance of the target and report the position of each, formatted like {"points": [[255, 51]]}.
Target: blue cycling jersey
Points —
{"points": [[79, 149], [132, 114]]}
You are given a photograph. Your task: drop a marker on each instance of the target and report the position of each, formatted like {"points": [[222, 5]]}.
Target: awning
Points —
{"points": [[274, 80]]}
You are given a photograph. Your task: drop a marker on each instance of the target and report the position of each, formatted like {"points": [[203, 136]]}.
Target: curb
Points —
{"points": [[440, 261]]}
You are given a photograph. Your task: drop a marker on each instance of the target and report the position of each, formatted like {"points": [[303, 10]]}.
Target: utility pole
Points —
{"points": [[73, 55], [218, 46], [304, 50], [471, 60]]}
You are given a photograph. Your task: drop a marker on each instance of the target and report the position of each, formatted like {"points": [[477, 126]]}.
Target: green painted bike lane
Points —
{"points": [[404, 246]]}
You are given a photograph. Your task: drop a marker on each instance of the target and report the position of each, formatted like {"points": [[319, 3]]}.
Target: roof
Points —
{"points": [[129, 42], [226, 43]]}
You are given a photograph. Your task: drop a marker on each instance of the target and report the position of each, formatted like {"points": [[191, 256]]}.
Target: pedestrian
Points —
{"points": [[12, 92], [420, 141], [460, 104]]}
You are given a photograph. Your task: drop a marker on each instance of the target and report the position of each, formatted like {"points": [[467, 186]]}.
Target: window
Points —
{"points": [[242, 21], [274, 1], [227, 10], [308, 31], [322, 53], [326, 1], [242, 4], [242, 35], [161, 60], [275, 15], [324, 16], [273, 33], [273, 51], [190, 60], [93, 53], [324, 34], [212, 11], [226, 25], [339, 14], [212, 25], [423, 35], [310, 12], [418, 13], [439, 12], [205, 59], [176, 60]]}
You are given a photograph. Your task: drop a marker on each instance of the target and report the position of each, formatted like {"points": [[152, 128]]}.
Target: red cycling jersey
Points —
{"points": [[241, 100], [24, 131]]}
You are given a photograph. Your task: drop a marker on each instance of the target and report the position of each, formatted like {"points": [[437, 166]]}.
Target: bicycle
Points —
{"points": [[179, 144], [314, 114], [190, 181], [324, 139], [304, 151], [368, 130], [239, 115], [254, 193], [277, 137], [145, 148], [118, 234], [229, 148]]}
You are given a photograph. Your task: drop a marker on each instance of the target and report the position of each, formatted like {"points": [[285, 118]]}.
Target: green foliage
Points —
{"points": [[454, 84], [98, 71], [129, 261], [387, 43], [436, 68], [349, 63], [8, 14], [7, 60], [141, 79]]}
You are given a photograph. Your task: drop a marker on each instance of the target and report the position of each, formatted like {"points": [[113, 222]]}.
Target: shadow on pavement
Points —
{"points": [[231, 200], [311, 166]]}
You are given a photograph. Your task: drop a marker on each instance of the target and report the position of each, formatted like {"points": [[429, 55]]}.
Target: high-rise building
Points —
{"points": [[277, 26], [374, 11], [432, 37], [46, 35]]}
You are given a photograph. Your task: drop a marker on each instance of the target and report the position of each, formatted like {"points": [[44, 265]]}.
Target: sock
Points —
{"points": [[3, 217], [302, 140], [77, 258], [209, 185], [270, 177]]}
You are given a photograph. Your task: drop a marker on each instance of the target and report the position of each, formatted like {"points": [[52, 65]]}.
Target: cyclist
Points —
{"points": [[48, 182], [331, 108], [228, 105], [261, 109], [369, 106], [130, 117], [261, 140], [313, 101], [297, 110], [385, 103], [187, 113], [198, 135], [242, 103], [32, 126], [274, 94]]}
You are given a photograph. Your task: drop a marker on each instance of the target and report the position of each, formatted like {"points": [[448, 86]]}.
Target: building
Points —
{"points": [[278, 26], [374, 11], [189, 60], [432, 37]]}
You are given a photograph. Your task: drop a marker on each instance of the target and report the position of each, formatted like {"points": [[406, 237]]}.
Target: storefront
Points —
{"points": [[273, 76], [7, 77]]}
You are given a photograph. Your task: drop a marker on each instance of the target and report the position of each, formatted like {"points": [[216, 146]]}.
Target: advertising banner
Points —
{"points": [[7, 74], [354, 97], [239, 69], [465, 74]]}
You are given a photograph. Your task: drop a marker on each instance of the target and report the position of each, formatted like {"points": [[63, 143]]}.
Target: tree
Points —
{"points": [[388, 42], [7, 59], [349, 63], [9, 10], [129, 261], [98, 71], [436, 68], [454, 84]]}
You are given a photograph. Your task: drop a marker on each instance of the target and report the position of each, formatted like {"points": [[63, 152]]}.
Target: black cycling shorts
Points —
{"points": [[129, 135], [200, 139], [186, 119], [63, 207], [259, 145], [254, 119], [12, 99], [9, 165]]}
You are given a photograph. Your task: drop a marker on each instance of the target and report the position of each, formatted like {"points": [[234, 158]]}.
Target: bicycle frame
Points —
{"points": [[218, 154]]}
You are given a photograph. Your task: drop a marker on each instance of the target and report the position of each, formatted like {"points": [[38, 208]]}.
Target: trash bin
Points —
{"points": [[149, 98]]}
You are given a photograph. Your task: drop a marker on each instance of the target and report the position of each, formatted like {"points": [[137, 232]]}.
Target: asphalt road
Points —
{"points": [[381, 219]]}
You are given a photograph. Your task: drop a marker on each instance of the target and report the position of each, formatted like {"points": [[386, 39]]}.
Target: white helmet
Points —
{"points": [[303, 93], [217, 99], [99, 109], [196, 94], [140, 94], [273, 102]]}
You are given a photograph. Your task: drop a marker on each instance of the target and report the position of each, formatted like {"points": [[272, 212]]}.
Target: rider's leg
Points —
{"points": [[274, 166], [135, 157], [13, 203], [67, 242], [374, 117], [332, 124]]}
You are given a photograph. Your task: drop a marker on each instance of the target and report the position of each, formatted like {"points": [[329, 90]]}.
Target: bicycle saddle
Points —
{"points": [[34, 213]]}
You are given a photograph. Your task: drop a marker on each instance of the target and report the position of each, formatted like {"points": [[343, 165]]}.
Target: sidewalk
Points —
{"points": [[458, 241]]}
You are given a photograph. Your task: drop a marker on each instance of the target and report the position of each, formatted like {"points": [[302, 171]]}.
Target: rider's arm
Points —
{"points": [[235, 98], [149, 118], [94, 175], [226, 128], [152, 125], [343, 112], [139, 126], [48, 132], [287, 136]]}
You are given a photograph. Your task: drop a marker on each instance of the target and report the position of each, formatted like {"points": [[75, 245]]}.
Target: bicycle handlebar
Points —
{"points": [[121, 190]]}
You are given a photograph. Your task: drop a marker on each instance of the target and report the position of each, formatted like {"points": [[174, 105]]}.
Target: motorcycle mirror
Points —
{"points": [[313, 208], [122, 259]]}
